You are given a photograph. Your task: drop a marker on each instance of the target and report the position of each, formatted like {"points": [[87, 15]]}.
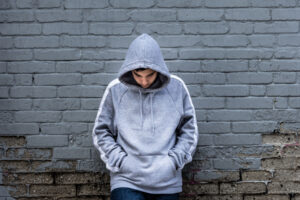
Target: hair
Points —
{"points": [[140, 69]]}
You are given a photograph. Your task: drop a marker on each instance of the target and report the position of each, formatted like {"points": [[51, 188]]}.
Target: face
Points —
{"points": [[144, 78]]}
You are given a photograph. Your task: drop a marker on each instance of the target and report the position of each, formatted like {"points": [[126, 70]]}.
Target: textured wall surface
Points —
{"points": [[239, 58]]}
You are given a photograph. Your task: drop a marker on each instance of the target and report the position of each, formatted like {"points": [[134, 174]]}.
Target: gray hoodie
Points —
{"points": [[145, 136]]}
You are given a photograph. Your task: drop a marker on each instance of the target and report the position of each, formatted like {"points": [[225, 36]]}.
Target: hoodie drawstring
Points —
{"points": [[152, 121], [151, 107], [141, 109]]}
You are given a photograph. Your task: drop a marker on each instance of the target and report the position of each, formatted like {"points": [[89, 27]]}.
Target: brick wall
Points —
{"points": [[239, 58]]}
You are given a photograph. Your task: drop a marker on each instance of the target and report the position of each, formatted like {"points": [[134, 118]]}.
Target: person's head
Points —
{"points": [[144, 76]]}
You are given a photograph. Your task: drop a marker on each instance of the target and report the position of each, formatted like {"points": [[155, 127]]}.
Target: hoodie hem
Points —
{"points": [[161, 190]]}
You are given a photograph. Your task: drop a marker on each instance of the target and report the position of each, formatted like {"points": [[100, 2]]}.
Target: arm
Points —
{"points": [[111, 152], [187, 137]]}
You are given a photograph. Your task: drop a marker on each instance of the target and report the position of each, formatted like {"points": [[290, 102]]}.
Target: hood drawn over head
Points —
{"points": [[144, 52]]}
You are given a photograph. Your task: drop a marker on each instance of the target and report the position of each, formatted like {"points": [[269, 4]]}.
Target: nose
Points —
{"points": [[144, 82]]}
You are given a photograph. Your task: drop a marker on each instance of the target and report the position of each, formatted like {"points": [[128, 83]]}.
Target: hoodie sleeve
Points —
{"points": [[187, 133], [111, 152]]}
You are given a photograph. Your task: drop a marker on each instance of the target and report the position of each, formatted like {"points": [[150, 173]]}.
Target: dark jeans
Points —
{"points": [[131, 194]]}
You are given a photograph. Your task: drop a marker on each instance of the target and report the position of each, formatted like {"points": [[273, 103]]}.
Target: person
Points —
{"points": [[146, 127]]}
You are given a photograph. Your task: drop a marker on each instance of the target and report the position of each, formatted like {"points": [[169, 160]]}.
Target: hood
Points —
{"points": [[144, 52]]}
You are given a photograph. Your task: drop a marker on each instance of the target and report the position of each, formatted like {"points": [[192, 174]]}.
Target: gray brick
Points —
{"points": [[209, 102], [294, 102], [224, 41], [226, 3], [206, 28], [276, 27], [71, 153], [248, 53], [115, 15], [20, 29], [85, 4], [24, 4], [56, 104], [250, 103], [178, 41], [37, 116], [200, 15], [238, 139], [229, 115], [277, 65], [65, 28], [48, 4], [286, 14], [6, 42], [111, 28], [6, 79], [206, 140], [201, 115], [195, 90], [118, 42], [284, 77], [103, 54], [285, 53], [237, 163], [23, 79], [16, 16], [30, 67], [6, 117], [289, 40], [132, 3], [80, 91], [14, 55], [201, 54], [59, 15], [224, 66], [5, 4], [249, 77], [35, 92], [160, 28], [262, 40], [277, 115], [209, 78], [83, 41], [281, 102], [79, 116], [273, 3], [257, 90], [254, 127], [283, 90], [3, 67], [19, 129], [90, 103], [226, 90], [178, 3], [183, 66], [98, 79], [84, 140], [79, 66], [47, 141], [63, 128], [112, 66], [36, 42], [15, 104], [57, 54], [214, 127], [248, 14], [241, 27], [153, 15], [3, 92], [57, 79]]}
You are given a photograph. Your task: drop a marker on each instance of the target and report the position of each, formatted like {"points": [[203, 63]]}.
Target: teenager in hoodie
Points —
{"points": [[146, 127]]}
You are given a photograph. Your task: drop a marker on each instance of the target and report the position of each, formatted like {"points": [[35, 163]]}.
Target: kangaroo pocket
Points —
{"points": [[149, 170]]}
